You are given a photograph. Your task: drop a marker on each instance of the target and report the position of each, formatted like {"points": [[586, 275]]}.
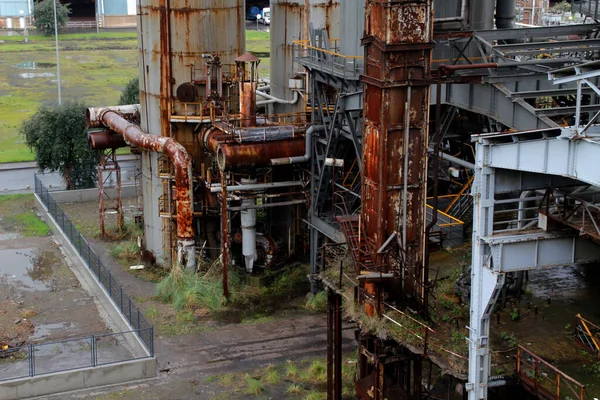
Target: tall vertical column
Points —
{"points": [[486, 283], [398, 45]]}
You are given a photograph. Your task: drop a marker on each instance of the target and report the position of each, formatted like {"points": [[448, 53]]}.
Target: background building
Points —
{"points": [[16, 14]]}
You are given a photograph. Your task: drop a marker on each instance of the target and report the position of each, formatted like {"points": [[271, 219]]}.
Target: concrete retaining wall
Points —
{"points": [[82, 195], [78, 379]]}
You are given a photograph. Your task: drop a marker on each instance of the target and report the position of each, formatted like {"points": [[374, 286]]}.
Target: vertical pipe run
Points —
{"points": [[337, 345], [330, 328], [224, 235], [405, 178], [248, 217]]}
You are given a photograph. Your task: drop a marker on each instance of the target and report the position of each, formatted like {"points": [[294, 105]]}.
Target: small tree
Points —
{"points": [[131, 93], [43, 14], [58, 136], [561, 7]]}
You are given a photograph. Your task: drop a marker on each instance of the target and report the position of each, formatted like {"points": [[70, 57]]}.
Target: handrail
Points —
{"points": [[465, 187], [456, 220], [537, 377], [303, 43]]}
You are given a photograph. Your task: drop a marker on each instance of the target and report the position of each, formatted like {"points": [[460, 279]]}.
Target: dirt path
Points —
{"points": [[185, 362], [132, 285]]}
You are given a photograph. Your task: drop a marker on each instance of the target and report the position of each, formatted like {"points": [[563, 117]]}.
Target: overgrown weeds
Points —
{"points": [[317, 302]]}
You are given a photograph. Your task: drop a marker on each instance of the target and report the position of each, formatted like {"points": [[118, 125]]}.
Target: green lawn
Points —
{"points": [[94, 68]]}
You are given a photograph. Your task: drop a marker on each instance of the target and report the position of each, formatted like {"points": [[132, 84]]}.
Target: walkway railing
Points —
{"points": [[71, 354], [544, 380], [126, 306]]}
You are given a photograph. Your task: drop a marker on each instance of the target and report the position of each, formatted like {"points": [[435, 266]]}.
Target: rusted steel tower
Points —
{"points": [[398, 44]]}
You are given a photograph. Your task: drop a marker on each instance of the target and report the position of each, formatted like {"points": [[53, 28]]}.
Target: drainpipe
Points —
{"points": [[183, 171], [273, 99], [308, 148]]}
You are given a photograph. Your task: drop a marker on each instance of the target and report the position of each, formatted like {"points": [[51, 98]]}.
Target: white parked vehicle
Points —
{"points": [[265, 16]]}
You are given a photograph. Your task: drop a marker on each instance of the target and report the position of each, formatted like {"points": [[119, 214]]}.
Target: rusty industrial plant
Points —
{"points": [[387, 135]]}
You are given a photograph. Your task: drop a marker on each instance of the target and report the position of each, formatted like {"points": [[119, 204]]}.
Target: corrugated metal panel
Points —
{"points": [[447, 8], [352, 27], [196, 27], [12, 8], [289, 22]]}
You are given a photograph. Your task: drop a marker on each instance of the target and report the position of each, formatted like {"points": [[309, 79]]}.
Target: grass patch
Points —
{"points": [[273, 377], [294, 389], [187, 290], [317, 372], [18, 215], [291, 370], [253, 386], [317, 302]]}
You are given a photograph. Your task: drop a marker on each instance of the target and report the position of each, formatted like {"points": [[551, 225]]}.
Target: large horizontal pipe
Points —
{"points": [[233, 155], [105, 139], [456, 160], [94, 114], [183, 172], [255, 186], [268, 205], [307, 149]]}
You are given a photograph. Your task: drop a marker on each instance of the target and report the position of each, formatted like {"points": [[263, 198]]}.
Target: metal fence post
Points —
{"points": [[89, 257], [138, 318], [93, 339], [109, 283], [152, 341], [129, 314], [121, 287], [32, 359]]}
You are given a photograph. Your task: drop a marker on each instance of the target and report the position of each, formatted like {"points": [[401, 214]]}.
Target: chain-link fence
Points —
{"points": [[70, 354], [123, 301]]}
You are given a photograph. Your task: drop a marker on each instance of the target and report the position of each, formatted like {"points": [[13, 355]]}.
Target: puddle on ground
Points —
{"points": [[35, 65], [31, 75], [557, 283], [28, 268], [9, 236], [42, 331]]}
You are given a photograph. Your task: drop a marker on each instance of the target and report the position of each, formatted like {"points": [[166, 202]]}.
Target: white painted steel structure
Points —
{"points": [[505, 159]]}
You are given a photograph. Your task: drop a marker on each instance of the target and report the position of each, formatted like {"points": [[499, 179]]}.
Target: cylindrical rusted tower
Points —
{"points": [[175, 39], [290, 21]]}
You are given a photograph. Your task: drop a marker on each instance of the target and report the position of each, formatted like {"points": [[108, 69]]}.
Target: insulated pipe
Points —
{"points": [[94, 115], [307, 146], [505, 14], [456, 160], [248, 220], [273, 99], [183, 172], [255, 186]]}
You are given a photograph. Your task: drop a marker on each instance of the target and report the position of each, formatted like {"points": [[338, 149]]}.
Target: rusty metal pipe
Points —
{"points": [[94, 114], [183, 172], [448, 70], [105, 139], [307, 148]]}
